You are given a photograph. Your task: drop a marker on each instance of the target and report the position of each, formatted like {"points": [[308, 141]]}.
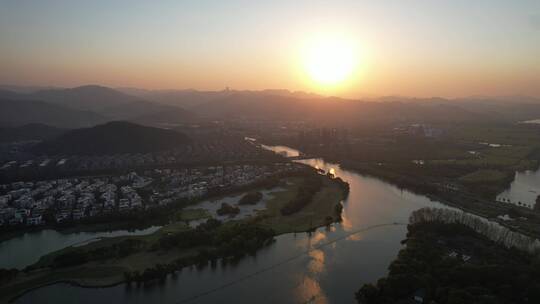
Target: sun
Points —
{"points": [[330, 60]]}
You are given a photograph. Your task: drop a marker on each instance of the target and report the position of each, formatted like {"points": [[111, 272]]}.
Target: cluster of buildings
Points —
{"points": [[34, 203], [324, 136], [73, 199], [218, 150], [194, 183], [421, 130]]}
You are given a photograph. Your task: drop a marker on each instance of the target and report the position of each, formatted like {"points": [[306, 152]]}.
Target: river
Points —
{"points": [[523, 190], [24, 250], [327, 266]]}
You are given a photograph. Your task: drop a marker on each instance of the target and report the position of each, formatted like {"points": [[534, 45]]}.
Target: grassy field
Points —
{"points": [[513, 158], [499, 151], [481, 176], [513, 143], [312, 216], [187, 215], [509, 134]]}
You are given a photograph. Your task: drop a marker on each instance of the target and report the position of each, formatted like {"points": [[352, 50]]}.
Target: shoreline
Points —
{"points": [[434, 197], [68, 282], [81, 228]]}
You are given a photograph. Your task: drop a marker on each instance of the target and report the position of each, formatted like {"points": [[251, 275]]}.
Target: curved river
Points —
{"points": [[327, 266]]}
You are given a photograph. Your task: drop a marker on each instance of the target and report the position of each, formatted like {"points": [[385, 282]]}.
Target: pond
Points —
{"points": [[523, 190], [212, 205]]}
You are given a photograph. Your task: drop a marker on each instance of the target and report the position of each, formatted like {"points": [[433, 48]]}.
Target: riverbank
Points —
{"points": [[416, 179], [84, 277], [320, 211], [99, 227], [451, 263], [479, 158], [524, 220]]}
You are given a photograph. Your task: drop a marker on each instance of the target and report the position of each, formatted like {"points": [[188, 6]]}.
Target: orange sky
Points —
{"points": [[413, 48]]}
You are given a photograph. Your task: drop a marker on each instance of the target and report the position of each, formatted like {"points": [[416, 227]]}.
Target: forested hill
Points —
{"points": [[113, 138]]}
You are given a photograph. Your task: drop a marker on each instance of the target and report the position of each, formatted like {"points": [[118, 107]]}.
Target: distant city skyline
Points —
{"points": [[412, 48]]}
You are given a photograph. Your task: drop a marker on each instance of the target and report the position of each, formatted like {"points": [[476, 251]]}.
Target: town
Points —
{"points": [[73, 199], [33, 167]]}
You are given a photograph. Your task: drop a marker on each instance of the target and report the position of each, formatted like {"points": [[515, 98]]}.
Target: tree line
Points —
{"points": [[214, 239], [490, 229], [74, 257], [7, 275], [305, 193], [251, 198], [492, 274]]}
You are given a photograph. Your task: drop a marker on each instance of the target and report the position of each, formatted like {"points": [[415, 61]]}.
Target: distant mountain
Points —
{"points": [[168, 107], [150, 113], [107, 103], [330, 110], [189, 98], [499, 108], [168, 116], [115, 105], [22, 112], [254, 106], [509, 99], [179, 98], [90, 97], [510, 111], [113, 138], [30, 132], [9, 94], [25, 89]]}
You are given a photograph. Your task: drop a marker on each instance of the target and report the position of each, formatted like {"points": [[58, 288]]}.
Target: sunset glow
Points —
{"points": [[355, 49], [330, 61]]}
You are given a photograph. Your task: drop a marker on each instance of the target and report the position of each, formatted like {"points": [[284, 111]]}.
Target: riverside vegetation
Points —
{"points": [[453, 257]]}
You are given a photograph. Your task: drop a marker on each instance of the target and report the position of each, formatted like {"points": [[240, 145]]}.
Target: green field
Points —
{"points": [[507, 134], [481, 176], [187, 215], [312, 216]]}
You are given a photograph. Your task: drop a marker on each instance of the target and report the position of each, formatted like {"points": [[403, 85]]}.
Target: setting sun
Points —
{"points": [[330, 61]]}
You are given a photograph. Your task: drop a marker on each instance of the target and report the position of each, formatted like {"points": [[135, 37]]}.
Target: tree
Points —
{"points": [[367, 294]]}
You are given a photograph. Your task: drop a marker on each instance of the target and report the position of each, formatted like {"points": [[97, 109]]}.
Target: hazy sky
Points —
{"points": [[421, 48]]}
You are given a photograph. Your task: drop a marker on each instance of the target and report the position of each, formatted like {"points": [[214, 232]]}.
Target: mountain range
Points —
{"points": [[287, 105], [84, 106], [17, 112], [91, 105], [28, 132]]}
